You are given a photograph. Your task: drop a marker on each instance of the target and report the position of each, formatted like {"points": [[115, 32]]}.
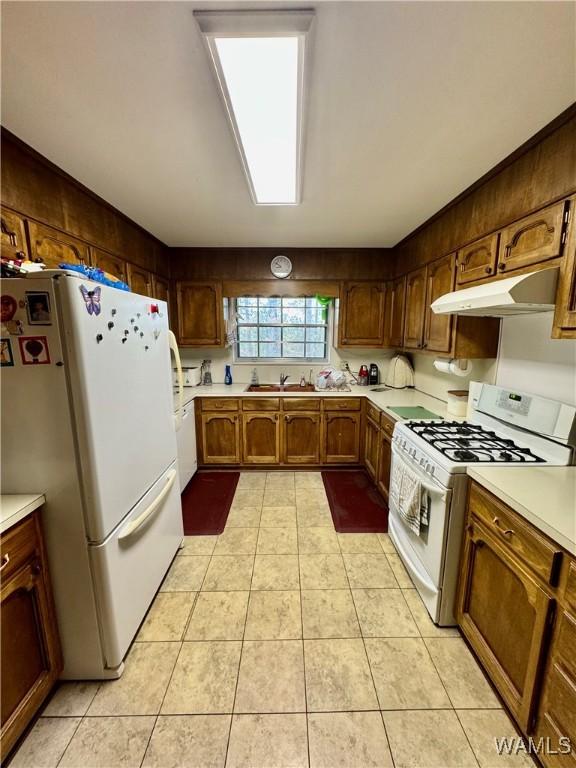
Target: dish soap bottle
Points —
{"points": [[254, 379], [228, 375]]}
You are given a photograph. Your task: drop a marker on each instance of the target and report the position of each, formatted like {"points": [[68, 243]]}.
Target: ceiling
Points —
{"points": [[410, 102]]}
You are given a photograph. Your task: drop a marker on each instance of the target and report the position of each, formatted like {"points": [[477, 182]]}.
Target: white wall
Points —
{"points": [[528, 360]]}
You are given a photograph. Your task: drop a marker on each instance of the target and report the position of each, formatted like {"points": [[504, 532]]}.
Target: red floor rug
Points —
{"points": [[356, 505], [206, 502]]}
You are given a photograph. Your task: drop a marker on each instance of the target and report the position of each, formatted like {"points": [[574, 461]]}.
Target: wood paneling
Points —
{"points": [[276, 287], [308, 263], [40, 190], [537, 174]]}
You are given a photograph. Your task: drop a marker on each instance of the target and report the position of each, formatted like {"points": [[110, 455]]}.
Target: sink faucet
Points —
{"points": [[284, 378]]}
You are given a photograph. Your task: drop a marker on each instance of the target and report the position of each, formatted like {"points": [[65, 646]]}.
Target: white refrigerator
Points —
{"points": [[88, 420]]}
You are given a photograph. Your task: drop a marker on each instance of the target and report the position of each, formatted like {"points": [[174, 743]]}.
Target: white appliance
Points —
{"points": [[190, 376], [533, 292], [502, 427], [87, 419], [186, 444], [400, 373]]}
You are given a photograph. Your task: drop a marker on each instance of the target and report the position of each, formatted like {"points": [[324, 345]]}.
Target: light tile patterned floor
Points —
{"points": [[281, 644]]}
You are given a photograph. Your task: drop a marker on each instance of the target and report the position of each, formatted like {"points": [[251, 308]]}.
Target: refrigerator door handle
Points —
{"points": [[176, 353], [139, 521]]}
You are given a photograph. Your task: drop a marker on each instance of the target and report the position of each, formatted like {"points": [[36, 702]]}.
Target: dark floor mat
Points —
{"points": [[355, 504], [206, 502]]}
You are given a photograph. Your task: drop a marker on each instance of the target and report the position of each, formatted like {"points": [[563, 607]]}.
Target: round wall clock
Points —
{"points": [[281, 266]]}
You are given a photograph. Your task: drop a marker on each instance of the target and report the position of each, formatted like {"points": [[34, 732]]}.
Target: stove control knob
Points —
{"points": [[432, 470], [422, 462]]}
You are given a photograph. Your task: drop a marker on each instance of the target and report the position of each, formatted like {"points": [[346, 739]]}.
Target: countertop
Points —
{"points": [[16, 506], [384, 400], [545, 496]]}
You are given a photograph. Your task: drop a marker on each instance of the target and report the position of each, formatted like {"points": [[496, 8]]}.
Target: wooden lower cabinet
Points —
{"points": [[516, 613], [260, 438], [384, 463], [220, 438], [371, 447], [31, 656], [341, 437], [301, 437]]}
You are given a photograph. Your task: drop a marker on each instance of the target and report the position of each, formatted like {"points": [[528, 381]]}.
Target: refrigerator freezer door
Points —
{"points": [[118, 360], [129, 566]]}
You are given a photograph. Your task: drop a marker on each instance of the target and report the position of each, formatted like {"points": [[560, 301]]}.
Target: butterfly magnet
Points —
{"points": [[91, 299]]}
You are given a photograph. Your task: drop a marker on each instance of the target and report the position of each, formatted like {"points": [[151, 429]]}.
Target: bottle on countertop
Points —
{"points": [[254, 378], [363, 376], [228, 375]]}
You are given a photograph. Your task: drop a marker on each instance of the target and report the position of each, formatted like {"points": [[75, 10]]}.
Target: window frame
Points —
{"points": [[238, 359]]}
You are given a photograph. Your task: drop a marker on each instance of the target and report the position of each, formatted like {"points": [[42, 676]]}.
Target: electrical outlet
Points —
{"points": [[343, 365]]}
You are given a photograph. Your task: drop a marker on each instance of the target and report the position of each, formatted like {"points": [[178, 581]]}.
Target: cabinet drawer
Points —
{"points": [[342, 404], [17, 546], [566, 644], [535, 551], [570, 591], [261, 404], [373, 413], [219, 404], [301, 404], [387, 423]]}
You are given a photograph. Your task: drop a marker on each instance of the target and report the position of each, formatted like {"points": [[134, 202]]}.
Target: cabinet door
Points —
{"points": [[200, 314], [341, 438], [536, 238], [54, 247], [371, 447], [362, 314], [30, 649], [260, 438], [478, 260], [13, 235], [114, 265], [139, 280], [394, 313], [220, 438], [504, 614], [415, 309], [301, 438], [438, 328], [161, 288], [384, 462]]}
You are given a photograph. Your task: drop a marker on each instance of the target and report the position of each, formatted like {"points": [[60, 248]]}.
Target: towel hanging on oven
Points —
{"points": [[406, 493]]}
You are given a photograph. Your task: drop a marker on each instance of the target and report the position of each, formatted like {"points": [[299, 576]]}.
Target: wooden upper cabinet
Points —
{"points": [[415, 309], [260, 438], [114, 265], [13, 235], [536, 238], [161, 288], [478, 260], [54, 247], [565, 315], [200, 314], [300, 437], [394, 313], [438, 328], [361, 315], [139, 280]]}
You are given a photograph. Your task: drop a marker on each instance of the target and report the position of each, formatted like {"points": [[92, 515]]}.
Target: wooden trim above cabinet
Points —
{"points": [[276, 287]]}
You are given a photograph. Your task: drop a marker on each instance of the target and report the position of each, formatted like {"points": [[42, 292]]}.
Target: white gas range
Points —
{"points": [[503, 427]]}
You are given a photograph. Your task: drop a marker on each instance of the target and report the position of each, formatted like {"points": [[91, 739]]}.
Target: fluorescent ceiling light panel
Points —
{"points": [[259, 61]]}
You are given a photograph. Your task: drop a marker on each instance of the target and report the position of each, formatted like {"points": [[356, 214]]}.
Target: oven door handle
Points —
{"points": [[434, 489]]}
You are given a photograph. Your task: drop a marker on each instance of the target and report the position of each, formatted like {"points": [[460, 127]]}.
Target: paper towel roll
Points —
{"points": [[453, 367]]}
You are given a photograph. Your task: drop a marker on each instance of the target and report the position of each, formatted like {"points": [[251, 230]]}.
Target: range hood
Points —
{"points": [[532, 292]]}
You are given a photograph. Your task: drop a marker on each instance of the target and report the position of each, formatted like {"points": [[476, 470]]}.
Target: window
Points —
{"points": [[281, 329]]}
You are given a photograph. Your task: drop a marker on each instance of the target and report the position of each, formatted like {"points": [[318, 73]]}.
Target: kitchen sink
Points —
{"points": [[280, 388]]}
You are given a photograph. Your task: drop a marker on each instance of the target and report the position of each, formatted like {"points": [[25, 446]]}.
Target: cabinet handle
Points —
{"points": [[504, 531], [501, 267], [488, 270], [5, 561], [286, 418]]}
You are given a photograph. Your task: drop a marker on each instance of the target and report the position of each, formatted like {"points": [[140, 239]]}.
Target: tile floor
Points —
{"points": [[281, 644]]}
